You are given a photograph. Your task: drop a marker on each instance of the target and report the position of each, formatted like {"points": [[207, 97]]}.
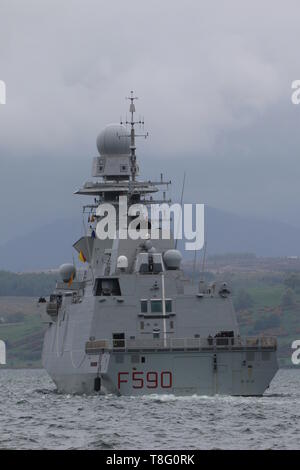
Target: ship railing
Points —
{"points": [[183, 344]]}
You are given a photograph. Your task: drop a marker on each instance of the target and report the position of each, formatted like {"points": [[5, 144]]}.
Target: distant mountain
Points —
{"points": [[231, 233], [51, 245], [45, 248]]}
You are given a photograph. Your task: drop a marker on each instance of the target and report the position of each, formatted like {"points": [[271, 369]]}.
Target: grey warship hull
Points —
{"points": [[181, 372], [132, 323], [76, 357]]}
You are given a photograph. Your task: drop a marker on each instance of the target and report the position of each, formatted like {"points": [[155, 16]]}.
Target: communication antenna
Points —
{"points": [[203, 259], [181, 200], [133, 135], [194, 265]]}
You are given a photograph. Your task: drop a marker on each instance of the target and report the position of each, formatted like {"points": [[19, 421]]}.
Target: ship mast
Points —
{"points": [[133, 135], [115, 181]]}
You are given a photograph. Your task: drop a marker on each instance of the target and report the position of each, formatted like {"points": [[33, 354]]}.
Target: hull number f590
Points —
{"points": [[150, 380]]}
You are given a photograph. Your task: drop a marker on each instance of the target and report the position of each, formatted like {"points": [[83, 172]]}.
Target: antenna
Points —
{"points": [[194, 266], [133, 135], [203, 259], [181, 200]]}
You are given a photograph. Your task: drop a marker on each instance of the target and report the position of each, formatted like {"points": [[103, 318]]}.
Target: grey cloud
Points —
{"points": [[214, 81]]}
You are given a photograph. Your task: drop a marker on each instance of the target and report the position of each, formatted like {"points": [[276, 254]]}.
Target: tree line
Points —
{"points": [[26, 284]]}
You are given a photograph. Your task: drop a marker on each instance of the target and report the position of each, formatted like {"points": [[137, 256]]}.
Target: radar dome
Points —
{"points": [[66, 271], [122, 262], [113, 140], [172, 259]]}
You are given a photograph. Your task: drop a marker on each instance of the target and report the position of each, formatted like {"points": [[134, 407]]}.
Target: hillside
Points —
{"points": [[22, 330], [267, 302]]}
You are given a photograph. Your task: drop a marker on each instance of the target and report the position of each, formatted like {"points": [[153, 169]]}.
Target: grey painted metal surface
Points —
{"points": [[142, 327]]}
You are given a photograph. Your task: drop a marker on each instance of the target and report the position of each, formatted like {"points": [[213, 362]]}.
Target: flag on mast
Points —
{"points": [[71, 280], [82, 257]]}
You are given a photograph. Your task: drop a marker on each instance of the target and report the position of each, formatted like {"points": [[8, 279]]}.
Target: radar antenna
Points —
{"points": [[133, 134]]}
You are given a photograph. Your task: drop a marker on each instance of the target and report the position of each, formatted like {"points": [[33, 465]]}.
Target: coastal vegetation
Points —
{"points": [[266, 302]]}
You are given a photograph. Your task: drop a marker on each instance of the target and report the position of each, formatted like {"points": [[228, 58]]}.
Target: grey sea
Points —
{"points": [[34, 416]]}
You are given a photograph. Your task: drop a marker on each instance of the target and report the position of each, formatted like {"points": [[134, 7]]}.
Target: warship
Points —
{"points": [[132, 323]]}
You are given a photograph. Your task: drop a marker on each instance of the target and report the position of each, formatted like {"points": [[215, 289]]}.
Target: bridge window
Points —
{"points": [[156, 306], [144, 306]]}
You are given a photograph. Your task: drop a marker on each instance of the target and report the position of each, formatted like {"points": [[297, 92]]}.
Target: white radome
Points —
{"points": [[114, 140], [67, 271], [122, 262], [172, 259]]}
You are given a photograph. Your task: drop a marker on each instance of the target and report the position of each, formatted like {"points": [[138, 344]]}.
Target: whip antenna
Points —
{"points": [[181, 200]]}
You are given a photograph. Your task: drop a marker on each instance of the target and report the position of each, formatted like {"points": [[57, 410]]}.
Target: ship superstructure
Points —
{"points": [[133, 324]]}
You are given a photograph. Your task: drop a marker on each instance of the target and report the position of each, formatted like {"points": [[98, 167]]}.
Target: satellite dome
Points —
{"points": [[66, 271], [113, 140], [122, 262], [172, 259]]}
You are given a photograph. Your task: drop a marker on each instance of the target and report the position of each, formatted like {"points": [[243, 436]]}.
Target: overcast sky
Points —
{"points": [[214, 81]]}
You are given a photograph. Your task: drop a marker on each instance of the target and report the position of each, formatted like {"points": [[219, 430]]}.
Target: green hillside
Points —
{"points": [[267, 303], [22, 329], [273, 309]]}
